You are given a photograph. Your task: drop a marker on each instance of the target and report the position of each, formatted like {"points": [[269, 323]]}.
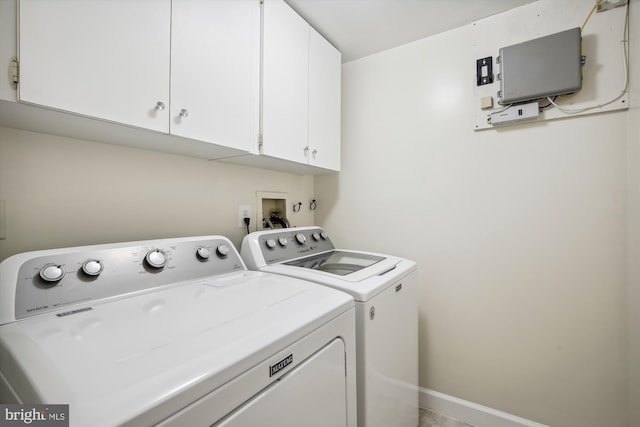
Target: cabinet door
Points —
{"points": [[285, 89], [324, 102], [102, 58], [8, 34], [215, 54]]}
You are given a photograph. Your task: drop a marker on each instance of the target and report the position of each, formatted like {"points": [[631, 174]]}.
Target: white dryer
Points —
{"points": [[385, 291], [173, 332]]}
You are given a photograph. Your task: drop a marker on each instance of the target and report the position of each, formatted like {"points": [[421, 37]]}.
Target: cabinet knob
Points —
{"points": [[314, 152], [160, 106], [184, 113], [306, 150]]}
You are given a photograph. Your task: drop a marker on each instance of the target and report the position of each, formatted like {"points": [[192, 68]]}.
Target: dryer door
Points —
{"points": [[313, 394]]}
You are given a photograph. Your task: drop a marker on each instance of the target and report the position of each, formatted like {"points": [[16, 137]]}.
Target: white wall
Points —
{"points": [[520, 234], [66, 192]]}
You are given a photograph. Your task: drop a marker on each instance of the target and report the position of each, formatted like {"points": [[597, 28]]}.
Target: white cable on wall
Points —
{"points": [[625, 66]]}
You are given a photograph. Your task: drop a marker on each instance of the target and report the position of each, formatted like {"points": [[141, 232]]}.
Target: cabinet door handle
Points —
{"points": [[184, 113], [306, 151], [160, 106], [314, 152]]}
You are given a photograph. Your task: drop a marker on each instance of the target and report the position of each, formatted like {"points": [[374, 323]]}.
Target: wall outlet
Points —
{"points": [[244, 211]]}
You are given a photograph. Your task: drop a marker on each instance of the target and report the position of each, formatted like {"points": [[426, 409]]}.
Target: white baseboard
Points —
{"points": [[470, 412]]}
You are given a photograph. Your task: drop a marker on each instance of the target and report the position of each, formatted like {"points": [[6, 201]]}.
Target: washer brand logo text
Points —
{"points": [[279, 366], [38, 415], [42, 307]]}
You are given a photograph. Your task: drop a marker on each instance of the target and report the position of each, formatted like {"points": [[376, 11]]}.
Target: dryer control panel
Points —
{"points": [[73, 278]]}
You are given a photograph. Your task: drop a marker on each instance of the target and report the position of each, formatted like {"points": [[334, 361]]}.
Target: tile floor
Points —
{"points": [[433, 419]]}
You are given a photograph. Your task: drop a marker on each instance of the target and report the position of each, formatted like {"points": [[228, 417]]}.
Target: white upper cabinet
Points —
{"points": [[101, 58], [300, 90], [202, 78], [325, 63], [185, 67], [285, 83], [215, 65]]}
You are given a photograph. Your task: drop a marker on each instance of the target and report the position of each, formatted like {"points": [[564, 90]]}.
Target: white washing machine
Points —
{"points": [[385, 291], [173, 332]]}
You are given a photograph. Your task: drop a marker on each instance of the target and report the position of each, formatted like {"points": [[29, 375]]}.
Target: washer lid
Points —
{"points": [[158, 351], [337, 262], [363, 284]]}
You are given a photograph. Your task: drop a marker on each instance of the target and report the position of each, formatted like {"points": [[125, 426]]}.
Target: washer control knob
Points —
{"points": [[202, 253], [283, 241], [52, 273], [92, 267], [324, 235], [301, 238], [316, 236], [270, 243], [155, 258], [222, 251]]}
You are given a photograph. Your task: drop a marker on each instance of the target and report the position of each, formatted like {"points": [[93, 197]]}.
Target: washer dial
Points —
{"points": [[52, 273], [301, 238], [155, 258], [203, 253], [92, 267], [283, 241], [222, 251], [270, 243]]}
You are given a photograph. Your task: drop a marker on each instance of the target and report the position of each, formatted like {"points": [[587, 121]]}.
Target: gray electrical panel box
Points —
{"points": [[546, 66]]}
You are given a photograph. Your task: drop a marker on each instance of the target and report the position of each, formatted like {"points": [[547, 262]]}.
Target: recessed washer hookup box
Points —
{"points": [[546, 66]]}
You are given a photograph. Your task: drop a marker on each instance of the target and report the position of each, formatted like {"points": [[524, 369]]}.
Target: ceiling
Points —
{"points": [[362, 27]]}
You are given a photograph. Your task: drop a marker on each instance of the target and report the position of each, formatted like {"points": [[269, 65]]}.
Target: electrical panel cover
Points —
{"points": [[546, 66]]}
